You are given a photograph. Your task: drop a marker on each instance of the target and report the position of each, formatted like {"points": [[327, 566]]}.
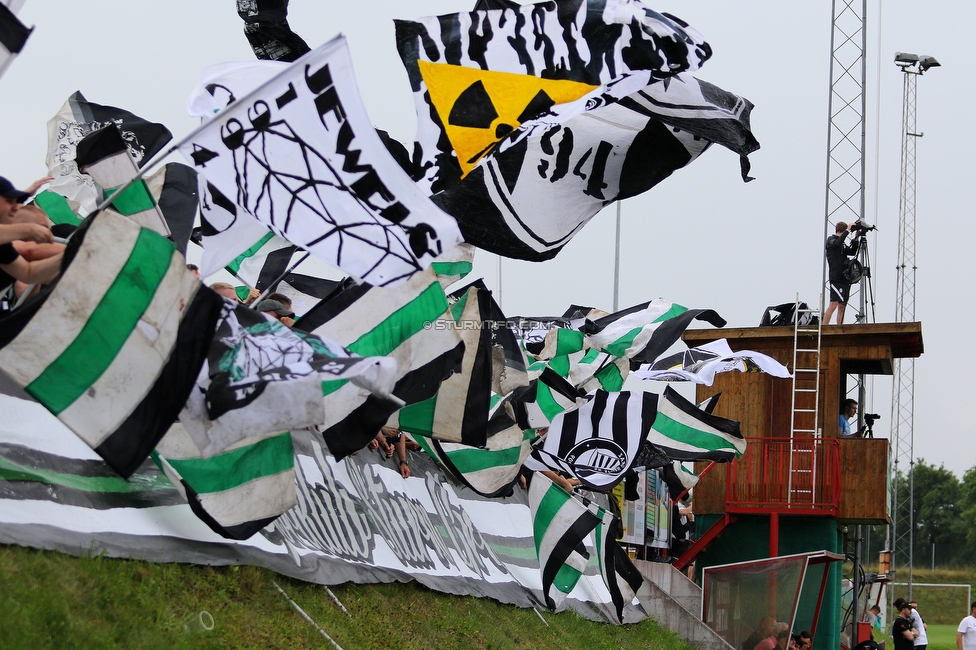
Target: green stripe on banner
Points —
{"points": [[493, 400], [689, 436], [56, 207], [554, 499], [331, 386], [402, 324], [448, 269], [619, 347], [590, 356], [242, 293], [476, 460], [108, 327], [235, 468], [235, 266], [15, 472], [676, 310], [514, 552], [134, 199], [418, 418]]}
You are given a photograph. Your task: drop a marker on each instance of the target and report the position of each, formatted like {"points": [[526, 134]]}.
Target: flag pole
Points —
{"points": [[281, 277]]}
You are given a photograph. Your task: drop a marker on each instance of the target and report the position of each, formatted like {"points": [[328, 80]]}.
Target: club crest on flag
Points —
{"points": [[597, 456]]}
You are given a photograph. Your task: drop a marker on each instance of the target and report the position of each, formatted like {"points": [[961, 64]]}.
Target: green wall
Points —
{"points": [[748, 539]]}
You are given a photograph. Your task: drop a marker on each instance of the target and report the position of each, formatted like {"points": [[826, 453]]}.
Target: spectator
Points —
{"points": [[921, 639], [901, 630], [226, 290], [12, 199], [761, 632], [966, 633], [772, 641], [277, 311], [15, 266], [806, 640]]}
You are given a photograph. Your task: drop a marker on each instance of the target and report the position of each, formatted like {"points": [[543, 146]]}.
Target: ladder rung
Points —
{"points": [[805, 410], [806, 390]]}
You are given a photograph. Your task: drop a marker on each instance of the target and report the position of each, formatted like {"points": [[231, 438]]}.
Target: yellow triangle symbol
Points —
{"points": [[480, 107]]}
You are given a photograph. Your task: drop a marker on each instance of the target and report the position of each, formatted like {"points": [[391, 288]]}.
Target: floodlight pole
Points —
{"points": [[901, 533]]}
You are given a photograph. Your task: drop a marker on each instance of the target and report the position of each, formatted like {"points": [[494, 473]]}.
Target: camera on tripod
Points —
{"points": [[871, 418], [860, 229]]}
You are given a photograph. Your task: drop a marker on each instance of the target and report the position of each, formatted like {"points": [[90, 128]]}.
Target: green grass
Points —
{"points": [[50, 600], [942, 637]]}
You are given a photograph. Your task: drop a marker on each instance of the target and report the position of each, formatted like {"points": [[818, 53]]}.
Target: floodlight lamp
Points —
{"points": [[925, 62], [905, 59]]}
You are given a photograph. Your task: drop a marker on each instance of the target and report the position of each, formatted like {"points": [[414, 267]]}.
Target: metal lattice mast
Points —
{"points": [[846, 136], [901, 541]]}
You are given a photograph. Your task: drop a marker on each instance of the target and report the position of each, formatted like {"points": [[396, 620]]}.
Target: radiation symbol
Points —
{"points": [[480, 107]]}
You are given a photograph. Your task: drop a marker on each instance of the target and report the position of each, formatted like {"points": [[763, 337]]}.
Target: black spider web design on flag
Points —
{"points": [[281, 175]]}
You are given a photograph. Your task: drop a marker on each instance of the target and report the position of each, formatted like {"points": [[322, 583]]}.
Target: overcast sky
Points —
{"points": [[702, 238]]}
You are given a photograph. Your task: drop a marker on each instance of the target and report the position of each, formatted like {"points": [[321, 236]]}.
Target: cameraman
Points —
{"points": [[848, 411], [837, 254]]}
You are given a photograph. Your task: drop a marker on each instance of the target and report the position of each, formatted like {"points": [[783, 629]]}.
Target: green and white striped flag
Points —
{"points": [[454, 264], [644, 332], [459, 411], [561, 524], [104, 156], [492, 470], [685, 432], [409, 322], [115, 346], [238, 491]]}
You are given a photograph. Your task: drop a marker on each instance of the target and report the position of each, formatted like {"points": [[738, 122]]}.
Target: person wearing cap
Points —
{"points": [[12, 199], [277, 311], [901, 630]]}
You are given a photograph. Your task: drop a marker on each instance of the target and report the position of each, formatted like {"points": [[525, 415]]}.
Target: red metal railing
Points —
{"points": [[785, 475]]}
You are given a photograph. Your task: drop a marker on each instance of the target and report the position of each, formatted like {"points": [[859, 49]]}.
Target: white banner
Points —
{"points": [[356, 520]]}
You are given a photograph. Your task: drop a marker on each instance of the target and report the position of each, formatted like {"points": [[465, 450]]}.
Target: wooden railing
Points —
{"points": [[786, 475]]}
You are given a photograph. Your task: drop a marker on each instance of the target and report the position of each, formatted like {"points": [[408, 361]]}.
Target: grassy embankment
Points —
{"points": [[50, 600]]}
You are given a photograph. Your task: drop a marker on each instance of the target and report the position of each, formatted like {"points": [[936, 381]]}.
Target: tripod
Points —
{"points": [[865, 288]]}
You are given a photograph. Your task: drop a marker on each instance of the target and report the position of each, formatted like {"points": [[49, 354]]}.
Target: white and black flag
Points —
{"points": [[300, 155], [598, 441]]}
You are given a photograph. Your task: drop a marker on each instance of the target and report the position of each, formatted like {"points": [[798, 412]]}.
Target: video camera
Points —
{"points": [[871, 418], [859, 228]]}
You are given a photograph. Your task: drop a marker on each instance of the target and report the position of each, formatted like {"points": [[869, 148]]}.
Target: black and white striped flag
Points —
{"points": [[598, 441]]}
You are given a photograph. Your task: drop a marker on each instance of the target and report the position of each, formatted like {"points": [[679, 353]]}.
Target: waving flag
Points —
{"points": [[538, 187], [238, 491], [104, 156], [459, 411], [114, 348], [491, 470], [76, 119], [599, 441], [300, 155], [13, 36], [645, 331], [267, 30], [478, 76], [410, 323], [263, 377], [623, 579], [561, 525], [685, 432], [701, 364]]}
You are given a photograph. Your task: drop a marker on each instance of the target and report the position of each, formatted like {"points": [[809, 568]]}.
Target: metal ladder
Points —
{"points": [[804, 405]]}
